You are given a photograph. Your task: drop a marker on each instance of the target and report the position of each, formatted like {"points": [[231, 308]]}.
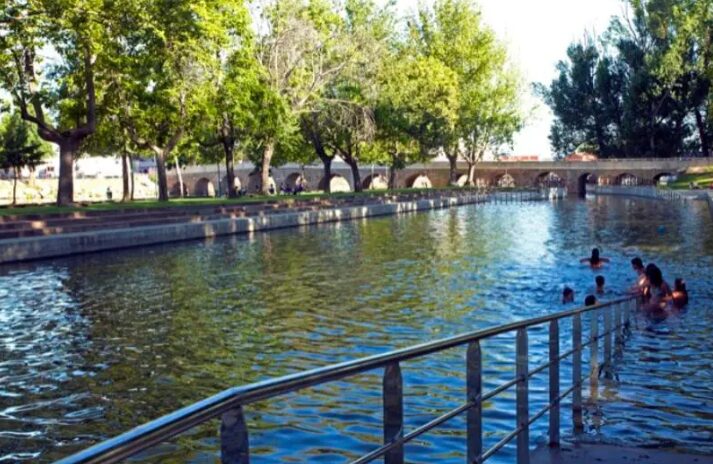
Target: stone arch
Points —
{"points": [[626, 179], [549, 179], [255, 183], [504, 180], [337, 183], [375, 182], [583, 180], [294, 181], [419, 181], [238, 185], [480, 182], [204, 188], [175, 190], [657, 178]]}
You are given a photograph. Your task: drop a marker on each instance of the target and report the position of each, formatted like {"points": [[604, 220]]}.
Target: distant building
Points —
{"points": [[515, 158], [581, 156]]}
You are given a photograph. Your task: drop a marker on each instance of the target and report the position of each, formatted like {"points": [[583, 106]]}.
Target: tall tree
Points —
{"points": [[166, 50], [297, 51], [58, 95], [417, 109]]}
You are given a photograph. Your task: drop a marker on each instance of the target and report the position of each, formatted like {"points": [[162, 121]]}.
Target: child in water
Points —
{"points": [[600, 284], [567, 295], [679, 294], [595, 261]]}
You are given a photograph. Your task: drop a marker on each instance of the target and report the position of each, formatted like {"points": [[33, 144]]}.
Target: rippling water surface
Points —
{"points": [[91, 346]]}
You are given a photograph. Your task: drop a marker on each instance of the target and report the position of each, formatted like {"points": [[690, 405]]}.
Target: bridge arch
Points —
{"points": [[657, 178], [419, 181], [583, 180], [294, 180], [549, 179], [238, 185], [337, 183], [255, 182], [204, 188], [626, 179], [375, 182], [175, 190], [504, 180]]}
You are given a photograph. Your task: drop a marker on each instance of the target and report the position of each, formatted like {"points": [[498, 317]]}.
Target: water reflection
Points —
{"points": [[94, 345]]}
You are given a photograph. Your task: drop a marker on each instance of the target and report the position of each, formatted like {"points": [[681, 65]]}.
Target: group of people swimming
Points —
{"points": [[658, 299]]}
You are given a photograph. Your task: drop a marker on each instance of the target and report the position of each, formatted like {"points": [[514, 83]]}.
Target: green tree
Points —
{"points": [[165, 52], [58, 94], [417, 109], [298, 53], [20, 147]]}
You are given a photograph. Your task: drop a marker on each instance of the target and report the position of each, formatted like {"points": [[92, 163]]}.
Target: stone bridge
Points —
{"points": [[210, 180]]}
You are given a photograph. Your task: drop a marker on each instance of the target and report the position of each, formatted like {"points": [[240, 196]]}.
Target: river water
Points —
{"points": [[93, 345]]}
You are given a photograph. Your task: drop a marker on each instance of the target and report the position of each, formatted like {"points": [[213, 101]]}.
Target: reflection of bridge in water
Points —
{"points": [[575, 175]]}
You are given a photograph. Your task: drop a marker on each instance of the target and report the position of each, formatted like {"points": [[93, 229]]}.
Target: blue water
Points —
{"points": [[93, 345]]}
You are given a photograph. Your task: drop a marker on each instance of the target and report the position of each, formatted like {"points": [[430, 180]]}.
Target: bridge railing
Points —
{"points": [[234, 435]]}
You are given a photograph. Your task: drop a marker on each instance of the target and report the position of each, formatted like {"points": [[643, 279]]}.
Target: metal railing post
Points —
{"points": [[234, 441], [474, 419], [619, 332], [523, 437], [594, 347], [554, 383], [607, 336], [393, 412], [577, 373]]}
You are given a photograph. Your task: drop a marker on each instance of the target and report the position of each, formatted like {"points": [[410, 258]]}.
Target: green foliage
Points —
{"points": [[642, 89], [20, 146]]}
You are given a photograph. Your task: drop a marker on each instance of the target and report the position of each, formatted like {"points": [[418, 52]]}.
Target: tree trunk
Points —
{"points": [[180, 176], [14, 185], [126, 195], [161, 174], [229, 170], [392, 176], [267, 153], [356, 177], [65, 190], [327, 163], [452, 169], [133, 179], [471, 174], [701, 124]]}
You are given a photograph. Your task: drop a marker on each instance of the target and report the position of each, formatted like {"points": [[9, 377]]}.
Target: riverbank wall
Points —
{"points": [[31, 248], [644, 191]]}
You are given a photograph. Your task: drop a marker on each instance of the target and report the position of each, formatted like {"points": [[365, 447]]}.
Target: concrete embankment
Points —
{"points": [[37, 247]]}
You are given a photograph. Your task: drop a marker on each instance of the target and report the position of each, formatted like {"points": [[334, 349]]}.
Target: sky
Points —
{"points": [[537, 34]]}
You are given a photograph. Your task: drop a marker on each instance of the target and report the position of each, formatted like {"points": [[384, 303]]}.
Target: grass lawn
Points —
{"points": [[185, 202], [704, 179]]}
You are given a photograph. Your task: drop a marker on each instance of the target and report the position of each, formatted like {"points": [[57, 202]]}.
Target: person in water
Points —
{"points": [[679, 294], [641, 281], [567, 295], [599, 280], [595, 261], [658, 292], [590, 300]]}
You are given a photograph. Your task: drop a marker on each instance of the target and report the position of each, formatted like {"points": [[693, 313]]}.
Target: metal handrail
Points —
{"points": [[229, 403]]}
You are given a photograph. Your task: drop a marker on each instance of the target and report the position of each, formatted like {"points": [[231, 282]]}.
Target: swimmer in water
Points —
{"points": [[567, 295], [595, 261], [600, 284], [590, 300], [641, 280], [680, 294], [658, 291]]}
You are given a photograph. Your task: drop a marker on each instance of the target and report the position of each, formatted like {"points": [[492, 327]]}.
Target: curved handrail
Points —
{"points": [[172, 424]]}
